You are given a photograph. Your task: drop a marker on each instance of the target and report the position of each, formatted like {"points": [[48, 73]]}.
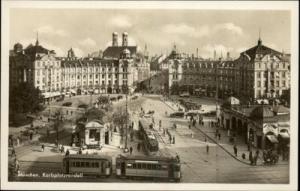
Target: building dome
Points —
{"points": [[262, 112], [125, 33], [115, 33], [18, 47], [126, 51]]}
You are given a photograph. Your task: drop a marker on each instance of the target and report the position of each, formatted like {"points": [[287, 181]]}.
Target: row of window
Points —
{"points": [[91, 69], [96, 76], [271, 83], [147, 166], [92, 164]]}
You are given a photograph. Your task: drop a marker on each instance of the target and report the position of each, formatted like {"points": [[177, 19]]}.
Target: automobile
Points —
{"points": [[67, 104], [178, 114], [184, 94], [147, 115], [192, 113], [134, 97], [83, 106]]}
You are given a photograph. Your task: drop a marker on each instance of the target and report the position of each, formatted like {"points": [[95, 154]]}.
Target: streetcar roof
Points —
{"points": [[88, 156], [148, 158]]}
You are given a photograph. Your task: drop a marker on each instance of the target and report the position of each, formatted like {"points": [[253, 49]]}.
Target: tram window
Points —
{"points": [[134, 165], [92, 164], [148, 166], [73, 164], [177, 167], [81, 164], [144, 166], [108, 164], [77, 164], [87, 164], [164, 166], [129, 165], [97, 165], [139, 166], [118, 164], [158, 167]]}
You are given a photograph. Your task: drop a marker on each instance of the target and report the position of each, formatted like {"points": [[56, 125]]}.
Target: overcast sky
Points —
{"points": [[89, 30]]}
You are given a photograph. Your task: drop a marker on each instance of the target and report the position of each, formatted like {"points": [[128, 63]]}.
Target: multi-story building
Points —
{"points": [[37, 65], [97, 74], [118, 69], [259, 72], [262, 72]]}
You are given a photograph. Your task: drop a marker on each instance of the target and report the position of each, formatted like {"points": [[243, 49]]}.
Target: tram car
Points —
{"points": [[150, 143], [98, 165], [154, 167]]}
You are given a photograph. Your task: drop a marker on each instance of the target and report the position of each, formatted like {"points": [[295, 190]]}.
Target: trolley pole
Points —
{"points": [[126, 130]]}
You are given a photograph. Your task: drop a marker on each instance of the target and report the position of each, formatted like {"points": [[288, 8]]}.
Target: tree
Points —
{"points": [[95, 114], [286, 96], [25, 98], [120, 120], [174, 89]]}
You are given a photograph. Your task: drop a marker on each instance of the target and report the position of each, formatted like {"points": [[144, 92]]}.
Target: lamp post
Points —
{"points": [[126, 121]]}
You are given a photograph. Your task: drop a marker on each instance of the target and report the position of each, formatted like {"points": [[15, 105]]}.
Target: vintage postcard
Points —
{"points": [[149, 95]]}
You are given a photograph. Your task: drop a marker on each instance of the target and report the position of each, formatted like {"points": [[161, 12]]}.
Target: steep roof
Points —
{"points": [[262, 113], [115, 51], [260, 49]]}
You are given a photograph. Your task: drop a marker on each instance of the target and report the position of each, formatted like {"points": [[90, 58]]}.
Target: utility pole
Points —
{"points": [[126, 130]]}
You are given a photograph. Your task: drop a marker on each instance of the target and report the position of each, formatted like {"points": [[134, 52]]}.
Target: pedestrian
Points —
{"points": [[248, 145], [80, 151], [255, 159], [18, 141], [177, 157], [30, 136], [62, 149], [251, 157], [235, 150], [67, 152], [243, 156], [13, 152], [43, 147], [174, 140], [164, 132], [189, 126], [138, 147], [219, 136], [205, 139], [130, 150], [194, 122], [207, 149]]}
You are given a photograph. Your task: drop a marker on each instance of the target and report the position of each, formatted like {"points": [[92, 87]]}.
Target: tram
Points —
{"points": [[167, 168], [150, 142], [98, 165]]}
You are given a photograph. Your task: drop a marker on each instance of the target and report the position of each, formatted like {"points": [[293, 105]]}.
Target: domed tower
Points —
{"points": [[125, 53], [18, 48], [71, 53], [125, 39], [115, 39]]}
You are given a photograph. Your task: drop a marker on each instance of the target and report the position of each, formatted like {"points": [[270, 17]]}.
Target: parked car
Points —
{"points": [[84, 106], [178, 114], [67, 104], [184, 94]]}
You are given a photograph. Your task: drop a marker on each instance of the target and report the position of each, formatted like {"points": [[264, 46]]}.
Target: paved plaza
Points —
{"points": [[199, 165]]}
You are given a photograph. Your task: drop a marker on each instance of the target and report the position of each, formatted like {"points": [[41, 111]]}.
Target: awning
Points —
{"points": [[51, 94], [272, 138], [283, 124], [284, 135]]}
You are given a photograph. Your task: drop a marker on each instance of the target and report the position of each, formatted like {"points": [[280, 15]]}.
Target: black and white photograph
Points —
{"points": [[151, 95]]}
